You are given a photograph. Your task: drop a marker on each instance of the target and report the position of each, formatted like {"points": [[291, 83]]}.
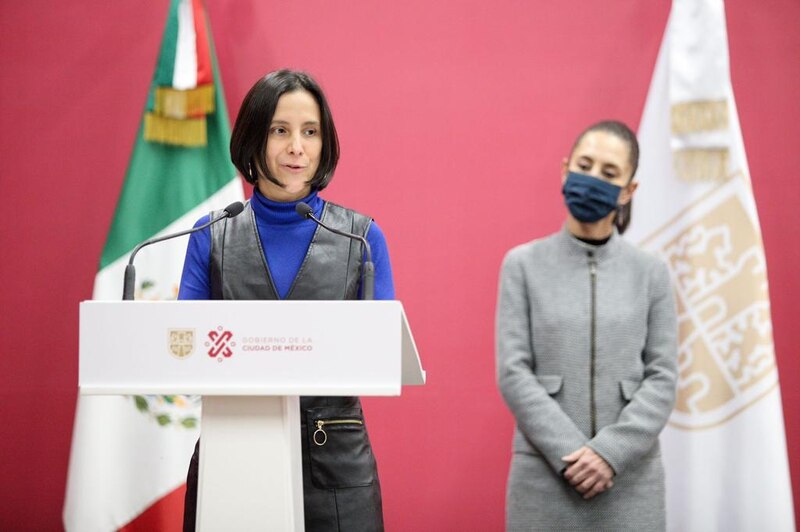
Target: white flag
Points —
{"points": [[724, 445]]}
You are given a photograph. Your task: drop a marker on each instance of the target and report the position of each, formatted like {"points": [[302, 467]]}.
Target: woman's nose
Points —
{"points": [[295, 145]]}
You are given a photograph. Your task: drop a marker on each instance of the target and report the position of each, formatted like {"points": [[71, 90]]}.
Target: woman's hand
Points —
{"points": [[588, 473]]}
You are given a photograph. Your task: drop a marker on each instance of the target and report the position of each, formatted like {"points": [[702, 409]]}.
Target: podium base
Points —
{"points": [[250, 464]]}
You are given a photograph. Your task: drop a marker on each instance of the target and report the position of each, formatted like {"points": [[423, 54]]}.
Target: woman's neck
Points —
{"points": [[598, 230], [283, 212]]}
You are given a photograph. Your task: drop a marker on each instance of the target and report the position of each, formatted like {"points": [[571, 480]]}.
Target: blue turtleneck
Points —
{"points": [[285, 237]]}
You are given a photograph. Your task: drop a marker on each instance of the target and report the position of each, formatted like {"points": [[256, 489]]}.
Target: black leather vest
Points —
{"points": [[330, 270]]}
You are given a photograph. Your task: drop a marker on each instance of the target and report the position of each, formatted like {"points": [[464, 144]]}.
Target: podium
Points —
{"points": [[250, 360]]}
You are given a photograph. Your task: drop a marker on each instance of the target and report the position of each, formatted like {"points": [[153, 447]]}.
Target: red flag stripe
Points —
{"points": [[204, 74], [165, 515]]}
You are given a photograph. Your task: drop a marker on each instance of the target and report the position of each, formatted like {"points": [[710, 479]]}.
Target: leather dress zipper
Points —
{"points": [[323, 436], [593, 361]]}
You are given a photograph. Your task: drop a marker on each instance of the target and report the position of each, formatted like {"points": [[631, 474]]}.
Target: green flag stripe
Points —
{"points": [[165, 67], [165, 182]]}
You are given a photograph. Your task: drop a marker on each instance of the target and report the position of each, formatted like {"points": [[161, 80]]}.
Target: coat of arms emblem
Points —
{"points": [[181, 342]]}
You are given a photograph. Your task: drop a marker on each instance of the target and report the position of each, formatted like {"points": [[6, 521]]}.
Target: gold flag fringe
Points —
{"points": [[701, 115], [174, 103], [701, 164], [190, 132]]}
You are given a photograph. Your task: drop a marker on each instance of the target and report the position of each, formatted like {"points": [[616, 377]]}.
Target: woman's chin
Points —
{"points": [[296, 193], [289, 192]]}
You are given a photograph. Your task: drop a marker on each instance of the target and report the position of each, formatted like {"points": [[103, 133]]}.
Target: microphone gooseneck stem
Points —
{"points": [[129, 282], [368, 285]]}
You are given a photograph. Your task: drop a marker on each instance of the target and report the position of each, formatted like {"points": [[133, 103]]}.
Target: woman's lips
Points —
{"points": [[294, 168]]}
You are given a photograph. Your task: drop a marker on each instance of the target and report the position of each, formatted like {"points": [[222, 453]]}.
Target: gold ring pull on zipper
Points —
{"points": [[323, 436]]}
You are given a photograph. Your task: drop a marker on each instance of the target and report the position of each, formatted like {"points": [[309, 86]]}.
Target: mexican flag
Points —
{"points": [[130, 455], [724, 446]]}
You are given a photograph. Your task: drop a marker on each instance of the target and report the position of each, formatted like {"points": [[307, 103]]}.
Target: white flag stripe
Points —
{"points": [[127, 443], [185, 73]]}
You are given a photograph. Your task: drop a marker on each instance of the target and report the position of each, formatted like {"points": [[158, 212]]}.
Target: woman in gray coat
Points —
{"points": [[586, 355]]}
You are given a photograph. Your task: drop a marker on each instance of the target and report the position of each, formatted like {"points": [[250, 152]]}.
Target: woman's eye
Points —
{"points": [[310, 132], [277, 130]]}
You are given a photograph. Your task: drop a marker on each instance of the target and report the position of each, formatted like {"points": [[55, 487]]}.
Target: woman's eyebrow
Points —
{"points": [[306, 123]]}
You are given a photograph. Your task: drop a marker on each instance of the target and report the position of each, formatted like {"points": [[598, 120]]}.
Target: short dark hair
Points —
{"points": [[623, 132], [251, 130]]}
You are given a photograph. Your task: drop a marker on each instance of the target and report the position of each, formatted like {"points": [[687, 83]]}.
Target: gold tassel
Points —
{"points": [[174, 103], [190, 132], [702, 115], [706, 164]]}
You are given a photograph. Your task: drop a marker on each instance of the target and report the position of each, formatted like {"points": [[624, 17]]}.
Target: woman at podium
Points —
{"points": [[284, 143], [586, 355]]}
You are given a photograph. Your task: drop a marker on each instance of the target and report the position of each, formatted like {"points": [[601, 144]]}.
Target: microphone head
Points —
{"points": [[234, 209], [303, 209]]}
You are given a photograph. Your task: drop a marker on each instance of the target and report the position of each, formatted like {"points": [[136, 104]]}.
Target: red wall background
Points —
{"points": [[453, 119]]}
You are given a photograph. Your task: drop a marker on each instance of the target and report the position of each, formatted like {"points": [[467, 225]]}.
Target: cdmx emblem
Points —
{"points": [[220, 343], [180, 342]]}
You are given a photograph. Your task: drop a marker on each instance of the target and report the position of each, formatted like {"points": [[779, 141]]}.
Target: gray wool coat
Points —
{"points": [[586, 345]]}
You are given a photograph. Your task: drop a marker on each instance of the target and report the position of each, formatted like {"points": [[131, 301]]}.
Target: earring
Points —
{"points": [[620, 215]]}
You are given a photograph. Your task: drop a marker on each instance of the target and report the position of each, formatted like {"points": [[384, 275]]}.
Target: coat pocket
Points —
{"points": [[339, 450], [628, 387], [551, 383]]}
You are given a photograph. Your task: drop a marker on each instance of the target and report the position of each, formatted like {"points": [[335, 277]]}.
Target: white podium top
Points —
{"points": [[246, 348]]}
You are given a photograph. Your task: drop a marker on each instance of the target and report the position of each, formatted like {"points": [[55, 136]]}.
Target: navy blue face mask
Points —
{"points": [[588, 198]]}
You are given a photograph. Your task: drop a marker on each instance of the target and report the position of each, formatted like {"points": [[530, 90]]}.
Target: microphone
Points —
{"points": [[368, 273], [130, 270]]}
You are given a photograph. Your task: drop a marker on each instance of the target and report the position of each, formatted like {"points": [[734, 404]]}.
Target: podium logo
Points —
{"points": [[180, 342], [220, 343]]}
